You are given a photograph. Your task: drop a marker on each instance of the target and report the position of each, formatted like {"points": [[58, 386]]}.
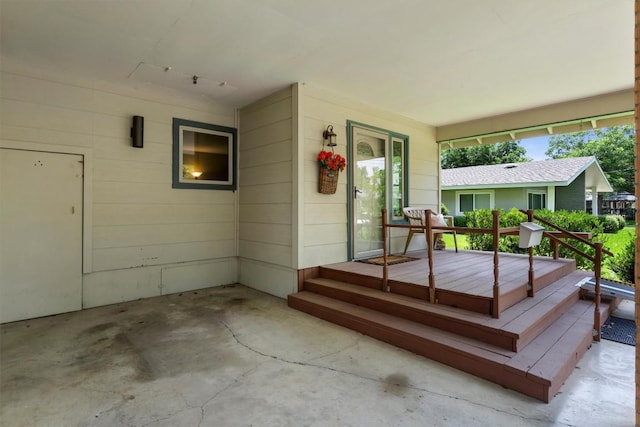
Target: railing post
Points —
{"points": [[530, 291], [384, 251], [598, 270], [495, 307], [427, 234], [556, 248]]}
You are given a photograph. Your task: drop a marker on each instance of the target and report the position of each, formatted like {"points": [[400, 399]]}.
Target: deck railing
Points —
{"points": [[554, 236], [495, 231], [556, 239]]}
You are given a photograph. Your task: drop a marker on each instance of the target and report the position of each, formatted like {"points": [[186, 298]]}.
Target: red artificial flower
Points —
{"points": [[331, 161]]}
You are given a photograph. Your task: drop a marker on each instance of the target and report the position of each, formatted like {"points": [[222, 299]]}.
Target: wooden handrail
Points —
{"points": [[554, 236], [596, 259], [495, 231]]}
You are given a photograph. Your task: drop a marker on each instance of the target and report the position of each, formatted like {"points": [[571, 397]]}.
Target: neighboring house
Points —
{"points": [[619, 204], [546, 184]]}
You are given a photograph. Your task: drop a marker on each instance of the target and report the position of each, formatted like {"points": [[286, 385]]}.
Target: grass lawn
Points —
{"points": [[616, 243], [463, 241]]}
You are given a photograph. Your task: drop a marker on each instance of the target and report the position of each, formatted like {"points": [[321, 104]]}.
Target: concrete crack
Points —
{"points": [[333, 353], [377, 380]]}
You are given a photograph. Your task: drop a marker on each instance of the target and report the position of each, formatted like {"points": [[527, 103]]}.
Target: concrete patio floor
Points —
{"points": [[232, 356]]}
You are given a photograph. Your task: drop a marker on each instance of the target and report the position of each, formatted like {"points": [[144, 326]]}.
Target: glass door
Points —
{"points": [[369, 191]]}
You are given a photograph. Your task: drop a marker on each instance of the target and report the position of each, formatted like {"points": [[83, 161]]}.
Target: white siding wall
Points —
{"points": [[142, 238], [267, 210], [324, 217]]}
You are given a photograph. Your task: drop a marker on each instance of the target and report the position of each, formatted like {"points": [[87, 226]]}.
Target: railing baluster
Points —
{"points": [[495, 307], [530, 290], [429, 238], [598, 271], [385, 277]]}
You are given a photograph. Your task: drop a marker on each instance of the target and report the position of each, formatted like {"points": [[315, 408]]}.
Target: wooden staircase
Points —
{"points": [[532, 348]]}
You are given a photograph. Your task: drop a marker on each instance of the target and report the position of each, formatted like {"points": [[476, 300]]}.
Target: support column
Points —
{"points": [[595, 209], [551, 198], [637, 193]]}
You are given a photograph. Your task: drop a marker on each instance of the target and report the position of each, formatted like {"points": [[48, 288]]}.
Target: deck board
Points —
{"points": [[465, 272]]}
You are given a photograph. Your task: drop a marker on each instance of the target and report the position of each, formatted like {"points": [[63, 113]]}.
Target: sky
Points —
{"points": [[536, 147]]}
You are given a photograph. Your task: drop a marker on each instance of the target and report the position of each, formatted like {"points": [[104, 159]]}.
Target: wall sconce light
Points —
{"points": [[196, 174], [137, 132], [329, 136]]}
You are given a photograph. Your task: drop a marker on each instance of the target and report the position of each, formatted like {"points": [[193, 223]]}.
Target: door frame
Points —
{"points": [[391, 136], [87, 189]]}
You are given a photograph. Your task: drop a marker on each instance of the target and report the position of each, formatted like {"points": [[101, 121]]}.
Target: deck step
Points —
{"points": [[537, 370], [516, 327]]}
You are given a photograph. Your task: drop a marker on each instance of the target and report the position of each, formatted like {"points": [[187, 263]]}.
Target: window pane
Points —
{"points": [[397, 171], [466, 202], [483, 201], [537, 201], [205, 156]]}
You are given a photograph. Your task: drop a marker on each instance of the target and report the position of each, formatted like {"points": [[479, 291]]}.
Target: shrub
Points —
{"points": [[460, 221], [443, 209], [624, 263], [621, 221], [576, 221], [482, 218], [609, 223]]}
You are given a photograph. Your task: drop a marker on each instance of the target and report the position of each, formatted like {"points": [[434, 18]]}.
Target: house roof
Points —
{"points": [[543, 173], [439, 62], [621, 197]]}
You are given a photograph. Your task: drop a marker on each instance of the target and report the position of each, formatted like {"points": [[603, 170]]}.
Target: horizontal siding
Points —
{"points": [[277, 234], [272, 213], [199, 275], [325, 217], [266, 187], [266, 277], [139, 224], [279, 255], [272, 173], [113, 236], [140, 256], [160, 214]]}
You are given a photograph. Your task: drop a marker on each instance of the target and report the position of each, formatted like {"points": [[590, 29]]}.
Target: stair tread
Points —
{"points": [[407, 326], [537, 361], [539, 348], [512, 322], [546, 302]]}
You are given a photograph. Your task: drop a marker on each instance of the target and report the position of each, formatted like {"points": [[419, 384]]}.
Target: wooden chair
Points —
{"points": [[415, 216]]}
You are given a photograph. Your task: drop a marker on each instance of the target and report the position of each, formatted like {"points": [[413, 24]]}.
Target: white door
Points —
{"points": [[40, 233], [369, 192]]}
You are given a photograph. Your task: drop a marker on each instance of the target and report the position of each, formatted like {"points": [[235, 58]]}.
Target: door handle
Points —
{"points": [[356, 192]]}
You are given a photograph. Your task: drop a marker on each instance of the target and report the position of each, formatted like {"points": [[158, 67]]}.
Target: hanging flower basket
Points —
{"points": [[328, 182], [330, 166]]}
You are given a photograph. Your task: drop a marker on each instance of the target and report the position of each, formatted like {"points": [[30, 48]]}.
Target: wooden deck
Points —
{"points": [[532, 347], [463, 279]]}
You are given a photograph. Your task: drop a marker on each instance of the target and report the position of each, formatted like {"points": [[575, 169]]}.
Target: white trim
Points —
{"points": [[540, 192], [297, 178], [551, 198], [403, 175], [491, 194]]}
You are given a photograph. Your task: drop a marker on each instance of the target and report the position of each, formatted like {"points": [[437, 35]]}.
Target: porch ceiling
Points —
{"points": [[434, 61]]}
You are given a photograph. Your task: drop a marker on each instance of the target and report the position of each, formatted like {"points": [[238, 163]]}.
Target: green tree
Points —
{"points": [[490, 154], [613, 147]]}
